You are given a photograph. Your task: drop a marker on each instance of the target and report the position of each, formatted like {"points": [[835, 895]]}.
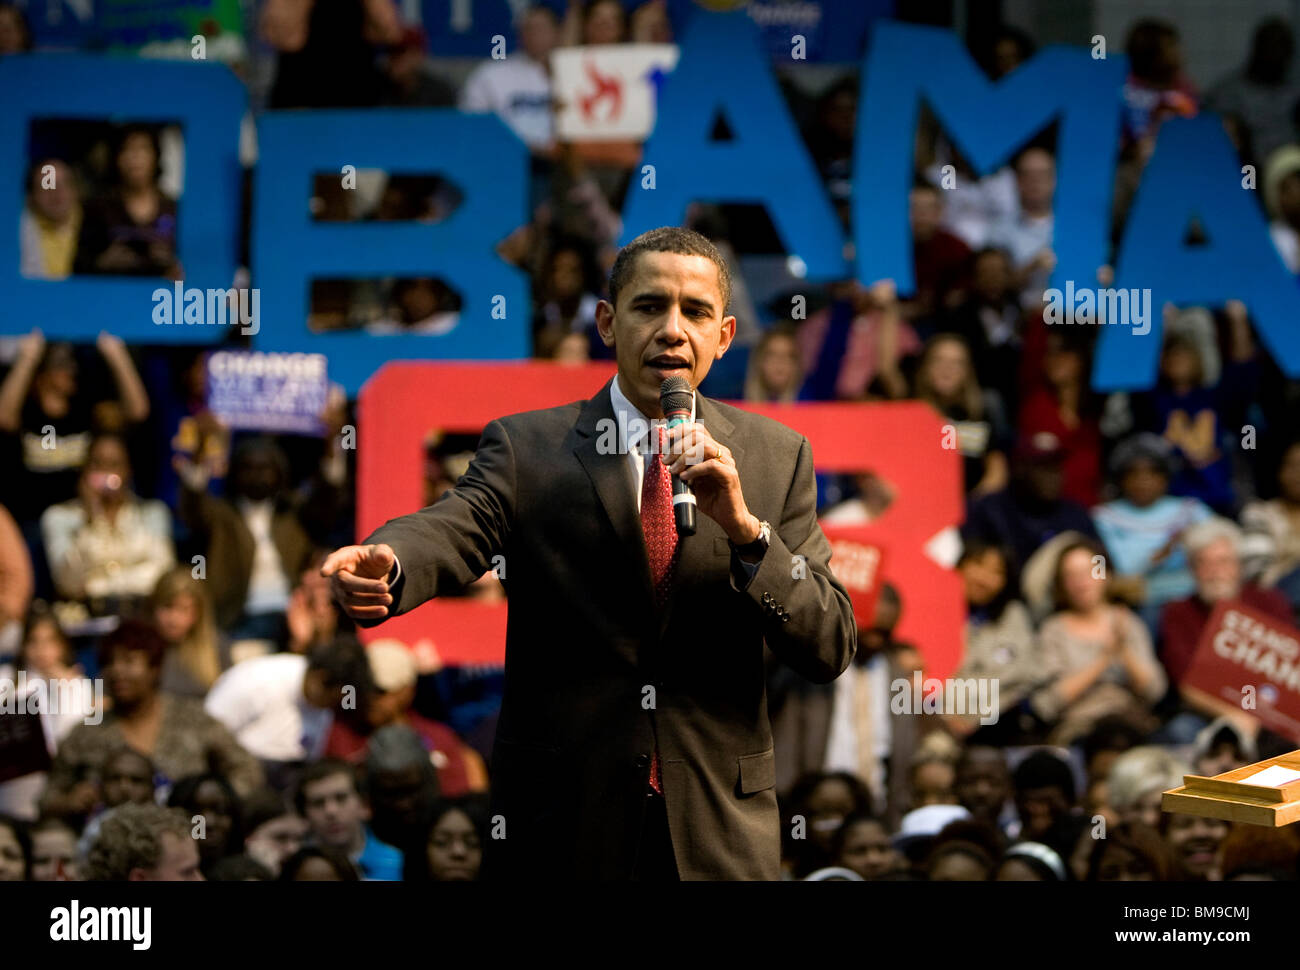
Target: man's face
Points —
{"points": [[335, 811], [54, 855], [1195, 841], [1039, 808], [1217, 568], [925, 211], [179, 862], [867, 850], [274, 841], [538, 35], [982, 784], [1036, 179], [669, 322]]}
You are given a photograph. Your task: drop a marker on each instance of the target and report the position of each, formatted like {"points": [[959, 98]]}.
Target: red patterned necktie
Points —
{"points": [[661, 548]]}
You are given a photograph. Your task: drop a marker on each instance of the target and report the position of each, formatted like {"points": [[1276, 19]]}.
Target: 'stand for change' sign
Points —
{"points": [[1246, 654], [273, 392]]}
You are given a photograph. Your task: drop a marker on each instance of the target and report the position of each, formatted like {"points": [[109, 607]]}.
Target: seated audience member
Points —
{"points": [[958, 861], [1271, 546], [54, 851], [51, 221], [17, 582], [401, 784], [982, 783], [920, 830], [1097, 655], [1030, 862], [1031, 509], [1062, 404], [1212, 549], [1131, 852], [999, 641], [1045, 801], [1143, 528], [1194, 842], [989, 321], [108, 543], [46, 674], [273, 829], [393, 670], [331, 800], [774, 372], [280, 707], [1027, 235], [127, 778], [823, 800], [857, 345], [862, 844], [451, 849], [1137, 780], [318, 863], [255, 539], [864, 735], [1221, 746], [945, 379], [181, 612], [210, 797], [1257, 854], [174, 732], [518, 88], [146, 843], [44, 389], [942, 259], [932, 781], [131, 230], [15, 851]]}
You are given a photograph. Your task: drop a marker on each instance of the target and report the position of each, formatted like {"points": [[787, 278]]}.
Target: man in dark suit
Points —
{"points": [[633, 740]]}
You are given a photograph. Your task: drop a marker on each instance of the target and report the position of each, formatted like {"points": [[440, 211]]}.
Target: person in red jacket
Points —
{"points": [[392, 666], [1213, 552]]}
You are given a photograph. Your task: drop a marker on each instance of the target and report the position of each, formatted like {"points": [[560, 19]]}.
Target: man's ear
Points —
{"points": [[605, 322], [728, 335]]}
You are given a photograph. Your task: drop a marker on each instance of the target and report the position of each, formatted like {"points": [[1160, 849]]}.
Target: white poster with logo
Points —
{"points": [[607, 92]]}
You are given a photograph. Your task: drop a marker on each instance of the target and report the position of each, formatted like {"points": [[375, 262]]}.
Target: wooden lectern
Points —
{"points": [[1265, 793]]}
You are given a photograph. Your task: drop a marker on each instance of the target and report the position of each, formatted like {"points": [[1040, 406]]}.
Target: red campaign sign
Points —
{"points": [[899, 441], [856, 562], [1242, 647]]}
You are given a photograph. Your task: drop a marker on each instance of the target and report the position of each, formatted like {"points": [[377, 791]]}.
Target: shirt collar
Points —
{"points": [[633, 426]]}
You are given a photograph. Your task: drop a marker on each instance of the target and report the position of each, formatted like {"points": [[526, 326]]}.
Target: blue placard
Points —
{"points": [[277, 393]]}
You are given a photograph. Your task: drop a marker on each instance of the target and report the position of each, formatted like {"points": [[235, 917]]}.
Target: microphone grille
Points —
{"points": [[675, 394]]}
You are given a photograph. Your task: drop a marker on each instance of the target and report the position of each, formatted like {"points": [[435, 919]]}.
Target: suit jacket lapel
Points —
{"points": [[599, 449]]}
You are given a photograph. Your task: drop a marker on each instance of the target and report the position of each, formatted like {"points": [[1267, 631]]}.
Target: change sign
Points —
{"points": [[280, 393], [1242, 647]]}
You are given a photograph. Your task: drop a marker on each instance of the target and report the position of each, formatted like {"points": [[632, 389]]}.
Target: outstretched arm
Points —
{"points": [[438, 549]]}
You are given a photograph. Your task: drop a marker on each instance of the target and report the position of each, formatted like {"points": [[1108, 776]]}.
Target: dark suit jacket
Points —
{"points": [[594, 674]]}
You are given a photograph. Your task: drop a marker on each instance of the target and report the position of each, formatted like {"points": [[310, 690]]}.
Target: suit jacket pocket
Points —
{"points": [[757, 771]]}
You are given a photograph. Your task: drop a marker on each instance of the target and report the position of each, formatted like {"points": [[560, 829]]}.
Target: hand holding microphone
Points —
{"points": [[702, 469]]}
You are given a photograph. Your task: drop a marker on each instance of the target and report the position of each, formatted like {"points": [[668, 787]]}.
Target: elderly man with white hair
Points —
{"points": [[1214, 553]]}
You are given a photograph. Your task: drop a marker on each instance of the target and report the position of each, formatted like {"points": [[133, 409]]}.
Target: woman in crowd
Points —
{"points": [[182, 613], [1000, 640], [1063, 405], [1271, 547], [1131, 852], [131, 230], [1030, 862], [946, 381], [823, 800], [1097, 655], [273, 829], [774, 373], [318, 863], [862, 844], [175, 732], [54, 851], [210, 796], [452, 849], [1142, 528], [108, 543]]}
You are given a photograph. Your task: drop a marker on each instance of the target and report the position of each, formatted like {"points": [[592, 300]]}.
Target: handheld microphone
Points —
{"points": [[675, 398]]}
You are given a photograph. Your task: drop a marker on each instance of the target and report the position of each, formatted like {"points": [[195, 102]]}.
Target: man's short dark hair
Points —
{"points": [[342, 661], [667, 239], [320, 770]]}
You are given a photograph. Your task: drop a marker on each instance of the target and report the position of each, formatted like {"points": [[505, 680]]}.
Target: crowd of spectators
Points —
{"points": [[219, 718]]}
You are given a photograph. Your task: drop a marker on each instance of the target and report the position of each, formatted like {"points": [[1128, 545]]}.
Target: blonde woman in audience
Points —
{"points": [[181, 612]]}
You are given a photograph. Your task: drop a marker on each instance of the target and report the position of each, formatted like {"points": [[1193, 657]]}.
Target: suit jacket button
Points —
{"points": [[785, 617], [767, 597], [643, 761]]}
